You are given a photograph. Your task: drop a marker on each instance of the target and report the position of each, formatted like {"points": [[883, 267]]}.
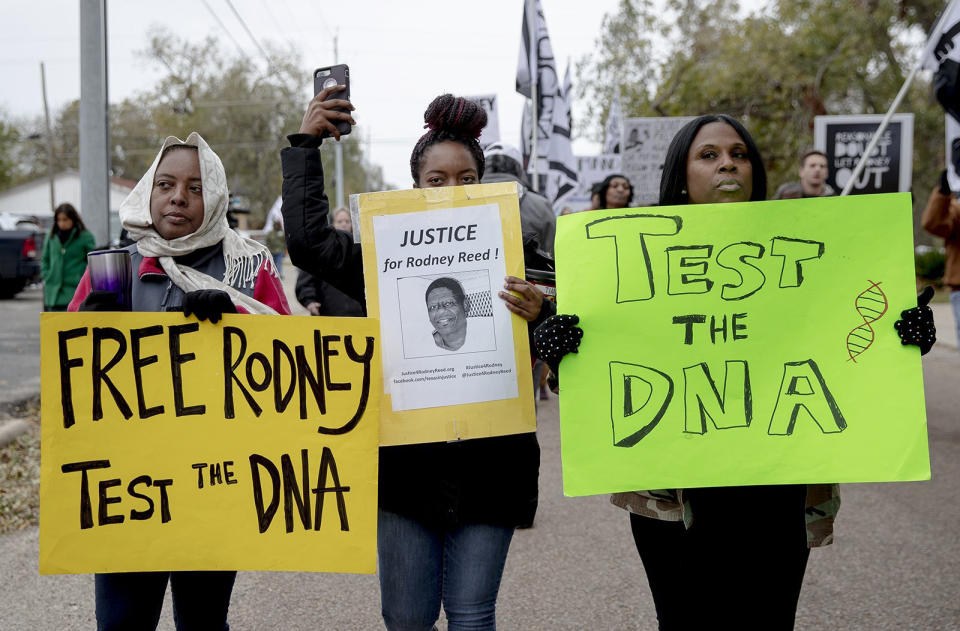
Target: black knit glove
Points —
{"points": [[916, 325], [101, 301], [208, 304], [557, 336]]}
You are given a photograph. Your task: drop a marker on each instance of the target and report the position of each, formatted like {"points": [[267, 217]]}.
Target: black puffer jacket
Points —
{"points": [[485, 480]]}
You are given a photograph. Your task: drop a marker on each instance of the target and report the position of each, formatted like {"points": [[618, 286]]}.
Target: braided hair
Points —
{"points": [[451, 118]]}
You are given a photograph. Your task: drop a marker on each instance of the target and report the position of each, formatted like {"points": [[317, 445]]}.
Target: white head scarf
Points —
{"points": [[242, 257]]}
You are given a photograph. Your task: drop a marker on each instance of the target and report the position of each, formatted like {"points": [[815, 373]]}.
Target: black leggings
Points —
{"points": [[740, 564]]}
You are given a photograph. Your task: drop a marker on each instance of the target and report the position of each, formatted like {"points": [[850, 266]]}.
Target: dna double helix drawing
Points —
{"points": [[871, 305]]}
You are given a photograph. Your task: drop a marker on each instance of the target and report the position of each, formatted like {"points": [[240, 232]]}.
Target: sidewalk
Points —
{"points": [[946, 328]]}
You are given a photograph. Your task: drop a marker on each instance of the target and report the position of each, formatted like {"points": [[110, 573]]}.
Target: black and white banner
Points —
{"points": [[889, 169]]}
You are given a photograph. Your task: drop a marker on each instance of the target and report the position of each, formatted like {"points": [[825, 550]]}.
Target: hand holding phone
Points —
{"points": [[329, 112]]}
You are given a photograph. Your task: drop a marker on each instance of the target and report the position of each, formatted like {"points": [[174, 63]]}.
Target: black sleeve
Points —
{"points": [[314, 245], [306, 288]]}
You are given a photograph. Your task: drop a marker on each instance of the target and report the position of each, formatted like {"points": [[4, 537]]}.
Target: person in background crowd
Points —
{"points": [[503, 163], [64, 257], [185, 258], [615, 191], [341, 220], [813, 178], [595, 196], [941, 217], [711, 542], [277, 245], [446, 518]]}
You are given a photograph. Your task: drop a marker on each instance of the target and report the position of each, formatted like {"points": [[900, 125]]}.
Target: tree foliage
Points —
{"points": [[774, 69], [244, 111]]}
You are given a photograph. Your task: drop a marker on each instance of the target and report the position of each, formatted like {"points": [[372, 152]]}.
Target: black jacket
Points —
{"points": [[485, 480], [332, 301]]}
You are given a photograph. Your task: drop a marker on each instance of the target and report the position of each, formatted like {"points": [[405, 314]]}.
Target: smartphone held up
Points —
{"points": [[328, 77]]}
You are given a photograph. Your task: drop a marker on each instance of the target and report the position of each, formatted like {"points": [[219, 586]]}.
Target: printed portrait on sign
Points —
{"points": [[446, 314]]}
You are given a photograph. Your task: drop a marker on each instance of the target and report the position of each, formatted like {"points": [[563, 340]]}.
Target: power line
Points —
{"points": [[224, 27], [249, 32]]}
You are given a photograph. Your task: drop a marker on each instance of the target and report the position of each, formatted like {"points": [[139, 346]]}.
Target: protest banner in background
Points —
{"points": [[456, 362], [174, 444], [644, 148], [845, 138], [740, 344], [591, 170], [491, 132]]}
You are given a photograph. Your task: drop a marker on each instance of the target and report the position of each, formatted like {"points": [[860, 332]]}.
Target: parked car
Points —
{"points": [[20, 242]]}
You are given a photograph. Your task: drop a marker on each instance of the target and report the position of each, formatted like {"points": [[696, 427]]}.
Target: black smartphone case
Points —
{"points": [[341, 74]]}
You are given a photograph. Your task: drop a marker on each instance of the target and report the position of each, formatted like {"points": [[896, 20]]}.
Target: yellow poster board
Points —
{"points": [[456, 361], [174, 444]]}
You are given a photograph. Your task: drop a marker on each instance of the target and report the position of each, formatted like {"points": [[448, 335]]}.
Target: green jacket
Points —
{"points": [[62, 265]]}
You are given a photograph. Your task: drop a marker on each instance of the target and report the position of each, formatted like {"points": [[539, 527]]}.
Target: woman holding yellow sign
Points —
{"points": [[735, 555], [447, 511], [185, 257]]}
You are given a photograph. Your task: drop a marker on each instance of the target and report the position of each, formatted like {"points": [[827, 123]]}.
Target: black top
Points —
{"points": [[484, 480]]}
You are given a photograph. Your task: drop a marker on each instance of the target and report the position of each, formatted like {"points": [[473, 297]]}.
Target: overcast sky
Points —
{"points": [[401, 54]]}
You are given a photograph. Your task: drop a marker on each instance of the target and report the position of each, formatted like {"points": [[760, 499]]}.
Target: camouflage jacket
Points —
{"points": [[823, 503]]}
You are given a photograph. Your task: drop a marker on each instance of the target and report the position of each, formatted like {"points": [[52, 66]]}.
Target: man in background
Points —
{"points": [[503, 163], [813, 178]]}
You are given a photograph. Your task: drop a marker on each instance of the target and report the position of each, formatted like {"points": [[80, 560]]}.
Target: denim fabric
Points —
{"points": [[132, 600], [421, 567], [955, 303]]}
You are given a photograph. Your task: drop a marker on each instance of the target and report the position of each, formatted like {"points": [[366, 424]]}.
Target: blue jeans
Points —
{"points": [[132, 600], [422, 567], [955, 303]]}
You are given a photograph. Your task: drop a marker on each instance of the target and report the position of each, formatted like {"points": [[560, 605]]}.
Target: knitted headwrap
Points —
{"points": [[242, 257]]}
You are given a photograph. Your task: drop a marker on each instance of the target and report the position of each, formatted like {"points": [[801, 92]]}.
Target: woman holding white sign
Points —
{"points": [[723, 556], [185, 257], [447, 511]]}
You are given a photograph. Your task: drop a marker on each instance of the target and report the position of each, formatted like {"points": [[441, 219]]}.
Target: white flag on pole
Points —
{"points": [[614, 127], [943, 52], [942, 44], [562, 173], [537, 57]]}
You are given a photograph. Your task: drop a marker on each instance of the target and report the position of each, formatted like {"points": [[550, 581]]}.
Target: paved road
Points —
{"points": [[20, 345], [894, 565]]}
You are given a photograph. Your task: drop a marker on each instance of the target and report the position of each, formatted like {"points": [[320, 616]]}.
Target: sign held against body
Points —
{"points": [[251, 444], [739, 344], [456, 363]]}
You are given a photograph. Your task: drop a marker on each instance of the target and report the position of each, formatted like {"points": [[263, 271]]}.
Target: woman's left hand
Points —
{"points": [[916, 326], [527, 304]]}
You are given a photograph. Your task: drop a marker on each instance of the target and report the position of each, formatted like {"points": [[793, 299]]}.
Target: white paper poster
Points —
{"points": [[447, 336], [644, 150]]}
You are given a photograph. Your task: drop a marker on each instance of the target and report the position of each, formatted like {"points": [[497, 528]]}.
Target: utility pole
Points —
{"points": [[94, 123], [46, 118], [337, 147]]}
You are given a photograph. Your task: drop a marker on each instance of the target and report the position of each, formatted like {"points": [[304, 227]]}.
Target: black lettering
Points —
{"points": [[714, 329], [305, 374], [105, 501], [99, 371], [215, 476], [733, 257], [678, 280], [794, 252], [228, 474], [261, 385], [199, 466], [264, 514], [689, 321], [280, 402], [66, 363], [635, 417], [736, 326], [177, 359], [327, 354], [328, 463], [136, 335], [140, 514], [364, 358], [292, 493], [86, 509], [164, 500], [229, 372]]}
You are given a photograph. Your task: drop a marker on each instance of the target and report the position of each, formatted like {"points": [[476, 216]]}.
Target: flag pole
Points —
{"points": [[882, 128], [534, 75]]}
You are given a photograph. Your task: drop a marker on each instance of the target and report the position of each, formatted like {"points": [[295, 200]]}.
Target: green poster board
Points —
{"points": [[739, 344]]}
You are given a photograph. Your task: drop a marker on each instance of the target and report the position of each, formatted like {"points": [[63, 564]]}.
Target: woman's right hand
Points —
{"points": [[321, 115], [557, 336]]}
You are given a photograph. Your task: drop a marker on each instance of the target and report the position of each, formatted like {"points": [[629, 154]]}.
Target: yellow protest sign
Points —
{"points": [[732, 344], [174, 444], [456, 362]]}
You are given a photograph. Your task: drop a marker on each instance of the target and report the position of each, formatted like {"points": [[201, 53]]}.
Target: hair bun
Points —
{"points": [[456, 116]]}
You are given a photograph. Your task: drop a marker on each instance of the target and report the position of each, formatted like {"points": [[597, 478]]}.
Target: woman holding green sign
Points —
{"points": [[723, 555]]}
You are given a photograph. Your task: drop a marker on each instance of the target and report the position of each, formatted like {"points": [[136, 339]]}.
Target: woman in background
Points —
{"points": [[64, 258], [615, 191]]}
